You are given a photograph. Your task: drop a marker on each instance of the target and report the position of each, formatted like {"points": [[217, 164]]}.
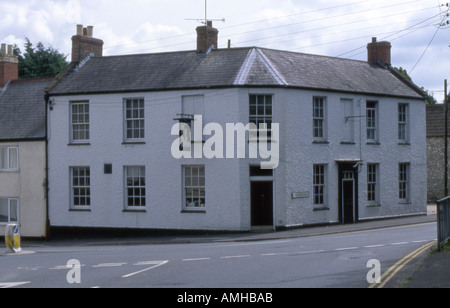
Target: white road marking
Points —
{"points": [[155, 265], [196, 259], [236, 257], [347, 248], [375, 246], [7, 285], [401, 243], [109, 265]]}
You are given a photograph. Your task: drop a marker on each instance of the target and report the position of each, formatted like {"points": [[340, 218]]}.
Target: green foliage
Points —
{"points": [[39, 61], [429, 98]]}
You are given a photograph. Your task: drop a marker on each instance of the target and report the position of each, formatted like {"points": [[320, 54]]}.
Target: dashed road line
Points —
{"points": [[236, 257], [196, 259]]}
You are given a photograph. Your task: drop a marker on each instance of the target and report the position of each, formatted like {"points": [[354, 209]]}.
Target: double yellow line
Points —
{"points": [[391, 272]]}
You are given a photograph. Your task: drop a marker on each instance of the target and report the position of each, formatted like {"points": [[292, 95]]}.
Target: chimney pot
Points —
{"points": [[90, 31], [10, 50], [79, 29], [3, 50]]}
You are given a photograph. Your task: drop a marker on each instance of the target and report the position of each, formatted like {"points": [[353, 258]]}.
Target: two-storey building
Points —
{"points": [[349, 143]]}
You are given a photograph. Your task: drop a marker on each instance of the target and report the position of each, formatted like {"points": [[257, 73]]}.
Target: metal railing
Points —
{"points": [[443, 221]]}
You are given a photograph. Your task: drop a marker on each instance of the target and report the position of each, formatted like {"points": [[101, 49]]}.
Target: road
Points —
{"points": [[326, 261]]}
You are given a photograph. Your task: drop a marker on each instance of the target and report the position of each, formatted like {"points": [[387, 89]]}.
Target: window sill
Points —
{"points": [[320, 142], [348, 143], [193, 212], [374, 205], [133, 142], [80, 210], [373, 143], [9, 170], [404, 143], [78, 144], [404, 202], [320, 209], [134, 211]]}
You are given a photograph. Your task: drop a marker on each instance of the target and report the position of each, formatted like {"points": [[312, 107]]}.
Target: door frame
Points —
{"points": [[344, 170], [264, 179]]}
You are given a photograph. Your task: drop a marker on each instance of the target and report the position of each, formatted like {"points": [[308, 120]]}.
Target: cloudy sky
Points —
{"points": [[340, 28]]}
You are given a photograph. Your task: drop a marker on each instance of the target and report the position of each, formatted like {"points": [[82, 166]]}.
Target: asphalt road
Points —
{"points": [[328, 261]]}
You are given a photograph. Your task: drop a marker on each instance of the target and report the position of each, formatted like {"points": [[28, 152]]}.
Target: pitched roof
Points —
{"points": [[22, 110], [244, 67], [436, 120]]}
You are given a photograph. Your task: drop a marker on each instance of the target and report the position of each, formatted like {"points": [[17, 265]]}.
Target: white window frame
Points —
{"points": [[403, 123], [194, 183], [9, 201], [404, 176], [372, 121], [319, 184], [137, 172], [85, 185], [8, 160], [261, 113], [80, 124], [373, 183], [319, 117], [134, 122]]}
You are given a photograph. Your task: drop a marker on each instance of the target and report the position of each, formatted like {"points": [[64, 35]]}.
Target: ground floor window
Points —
{"points": [[403, 182], [372, 183], [194, 187], [319, 184], [81, 187], [9, 210], [135, 189]]}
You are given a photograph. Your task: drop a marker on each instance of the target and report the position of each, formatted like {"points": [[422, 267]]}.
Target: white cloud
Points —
{"points": [[320, 27]]}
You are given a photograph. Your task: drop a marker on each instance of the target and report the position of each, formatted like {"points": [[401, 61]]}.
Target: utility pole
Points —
{"points": [[446, 139]]}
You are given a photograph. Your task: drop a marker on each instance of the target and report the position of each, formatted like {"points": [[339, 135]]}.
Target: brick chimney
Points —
{"points": [[9, 65], [207, 36], [379, 52], [84, 44]]}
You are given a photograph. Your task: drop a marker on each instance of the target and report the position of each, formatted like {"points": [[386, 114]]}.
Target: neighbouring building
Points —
{"points": [[23, 198], [436, 151], [352, 139]]}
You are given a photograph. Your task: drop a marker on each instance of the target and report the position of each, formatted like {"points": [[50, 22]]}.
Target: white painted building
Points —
{"points": [[352, 140]]}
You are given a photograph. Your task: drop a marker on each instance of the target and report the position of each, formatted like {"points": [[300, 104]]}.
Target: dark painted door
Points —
{"points": [[262, 203]]}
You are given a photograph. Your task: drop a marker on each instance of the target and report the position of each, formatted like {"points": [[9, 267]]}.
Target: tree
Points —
{"points": [[39, 61], [429, 98]]}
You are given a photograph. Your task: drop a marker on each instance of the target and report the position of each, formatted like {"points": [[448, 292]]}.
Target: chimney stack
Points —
{"points": [[84, 44], [9, 65], [379, 52], [207, 37]]}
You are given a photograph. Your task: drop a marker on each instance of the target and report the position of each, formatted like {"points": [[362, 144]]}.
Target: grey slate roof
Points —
{"points": [[244, 67], [22, 110]]}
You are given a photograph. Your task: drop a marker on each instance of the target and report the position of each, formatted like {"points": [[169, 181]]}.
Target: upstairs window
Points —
{"points": [[372, 121], [9, 158], [134, 119], [319, 118], [261, 112], [79, 122], [403, 129]]}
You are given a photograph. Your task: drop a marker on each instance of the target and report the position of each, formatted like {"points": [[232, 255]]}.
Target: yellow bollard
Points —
{"points": [[12, 238]]}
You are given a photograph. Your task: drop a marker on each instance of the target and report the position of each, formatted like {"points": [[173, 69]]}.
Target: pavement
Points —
{"points": [[433, 268]]}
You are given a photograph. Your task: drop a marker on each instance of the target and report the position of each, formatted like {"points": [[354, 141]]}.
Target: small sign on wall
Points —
{"points": [[301, 195]]}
